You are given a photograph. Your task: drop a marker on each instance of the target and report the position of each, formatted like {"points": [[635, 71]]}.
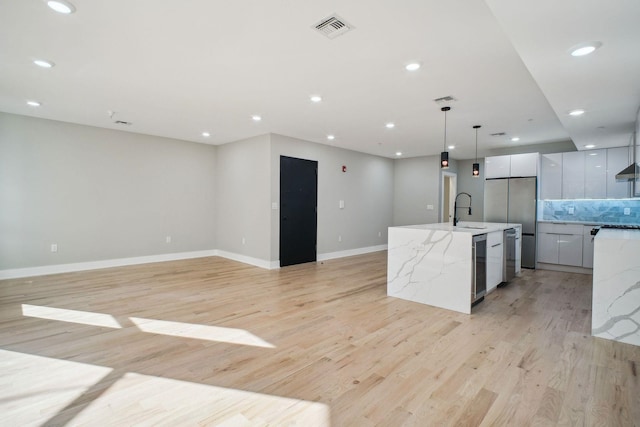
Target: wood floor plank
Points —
{"points": [[211, 341]]}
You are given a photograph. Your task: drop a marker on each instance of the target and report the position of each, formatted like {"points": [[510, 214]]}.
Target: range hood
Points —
{"points": [[629, 173]]}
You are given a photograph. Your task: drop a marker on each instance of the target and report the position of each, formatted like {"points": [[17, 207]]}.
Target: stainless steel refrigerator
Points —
{"points": [[514, 200]]}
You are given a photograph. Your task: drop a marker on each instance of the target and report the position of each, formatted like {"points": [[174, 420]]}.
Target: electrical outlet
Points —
{"points": [[244, 240], [571, 210], [339, 238], [274, 206], [429, 207], [54, 247], [627, 211], [167, 239]]}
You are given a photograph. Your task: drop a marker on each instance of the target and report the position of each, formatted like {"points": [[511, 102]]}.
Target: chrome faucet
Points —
{"points": [[455, 207]]}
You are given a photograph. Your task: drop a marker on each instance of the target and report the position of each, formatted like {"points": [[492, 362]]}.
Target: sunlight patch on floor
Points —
{"points": [[200, 332], [72, 316], [32, 395], [144, 400]]}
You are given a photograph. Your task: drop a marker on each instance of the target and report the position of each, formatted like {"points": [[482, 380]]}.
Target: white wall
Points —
{"points": [[366, 188], [99, 194]]}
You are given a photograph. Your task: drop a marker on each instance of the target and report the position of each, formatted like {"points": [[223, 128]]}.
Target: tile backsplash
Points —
{"points": [[595, 210]]}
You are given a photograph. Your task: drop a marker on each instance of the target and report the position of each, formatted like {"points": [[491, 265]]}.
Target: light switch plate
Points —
{"points": [[274, 206], [429, 207], [341, 204]]}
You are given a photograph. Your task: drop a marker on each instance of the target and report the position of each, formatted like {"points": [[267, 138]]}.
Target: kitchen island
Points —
{"points": [[615, 313], [433, 263]]}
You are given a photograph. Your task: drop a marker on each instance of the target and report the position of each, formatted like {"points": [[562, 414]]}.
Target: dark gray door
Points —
{"points": [[298, 213]]}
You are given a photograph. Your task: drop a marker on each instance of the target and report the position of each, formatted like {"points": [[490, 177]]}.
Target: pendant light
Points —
{"points": [[444, 156], [476, 165]]}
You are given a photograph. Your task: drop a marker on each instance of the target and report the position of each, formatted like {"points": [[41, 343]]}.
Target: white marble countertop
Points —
{"points": [[593, 223], [473, 228], [617, 234]]}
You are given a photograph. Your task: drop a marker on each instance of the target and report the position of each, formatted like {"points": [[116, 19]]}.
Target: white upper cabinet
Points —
{"points": [[573, 175], [617, 159], [551, 176], [497, 167], [595, 174], [587, 174], [524, 165], [516, 165]]}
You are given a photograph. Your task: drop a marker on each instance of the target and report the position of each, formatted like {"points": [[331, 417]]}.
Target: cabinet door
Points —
{"points": [[551, 176], [548, 248], [524, 165], [587, 247], [497, 167], [617, 159], [570, 249], [495, 248], [595, 174], [573, 175]]}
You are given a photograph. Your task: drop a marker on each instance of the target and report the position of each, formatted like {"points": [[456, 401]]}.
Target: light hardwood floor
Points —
{"points": [[214, 342]]}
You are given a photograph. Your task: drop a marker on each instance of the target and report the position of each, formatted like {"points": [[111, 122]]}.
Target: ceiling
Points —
{"points": [[177, 69]]}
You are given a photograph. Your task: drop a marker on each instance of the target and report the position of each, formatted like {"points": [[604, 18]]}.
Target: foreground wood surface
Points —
{"points": [[215, 342]]}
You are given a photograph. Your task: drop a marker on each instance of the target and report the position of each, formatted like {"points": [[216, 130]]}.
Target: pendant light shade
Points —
{"points": [[476, 165], [444, 155]]}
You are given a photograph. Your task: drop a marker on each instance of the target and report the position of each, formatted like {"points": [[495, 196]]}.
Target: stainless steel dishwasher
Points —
{"points": [[479, 273], [509, 270]]}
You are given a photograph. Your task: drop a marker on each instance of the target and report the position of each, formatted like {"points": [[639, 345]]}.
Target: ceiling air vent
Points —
{"points": [[122, 122], [333, 26], [498, 134], [445, 99]]}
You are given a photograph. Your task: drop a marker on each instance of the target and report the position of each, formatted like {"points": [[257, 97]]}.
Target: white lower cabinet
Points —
{"points": [[495, 255], [560, 243]]}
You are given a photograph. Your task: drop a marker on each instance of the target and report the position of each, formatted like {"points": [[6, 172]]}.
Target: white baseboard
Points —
{"points": [[351, 252], [269, 265], [17, 273]]}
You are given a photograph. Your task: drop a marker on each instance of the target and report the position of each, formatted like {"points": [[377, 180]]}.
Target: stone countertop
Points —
{"points": [[473, 228], [617, 234], [593, 223]]}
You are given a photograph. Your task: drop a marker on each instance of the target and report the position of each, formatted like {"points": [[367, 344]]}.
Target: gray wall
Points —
{"points": [[99, 194], [366, 188], [416, 184], [473, 186], [243, 189]]}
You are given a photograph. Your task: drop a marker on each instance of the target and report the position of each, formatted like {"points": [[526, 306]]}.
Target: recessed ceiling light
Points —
{"points": [[331, 137], [398, 153], [412, 67], [451, 147], [256, 118], [390, 125], [61, 6], [206, 134], [316, 98], [576, 112], [590, 146], [584, 48], [515, 139], [33, 103], [43, 63]]}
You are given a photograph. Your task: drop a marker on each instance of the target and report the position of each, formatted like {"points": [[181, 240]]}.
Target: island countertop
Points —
{"points": [[616, 286], [432, 263], [473, 228]]}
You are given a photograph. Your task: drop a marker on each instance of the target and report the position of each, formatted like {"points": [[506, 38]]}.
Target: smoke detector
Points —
{"points": [[333, 26]]}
